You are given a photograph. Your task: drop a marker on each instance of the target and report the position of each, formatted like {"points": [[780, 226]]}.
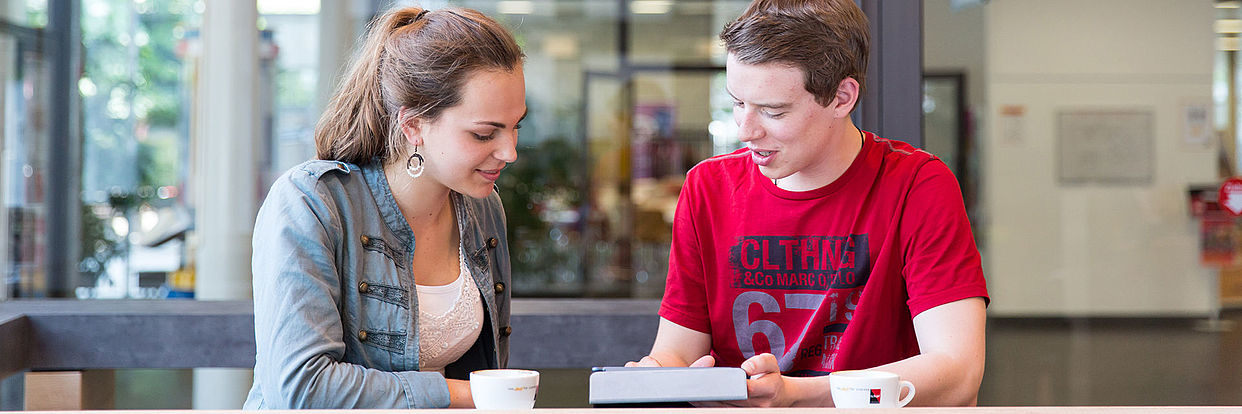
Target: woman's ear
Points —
{"points": [[847, 96], [412, 128]]}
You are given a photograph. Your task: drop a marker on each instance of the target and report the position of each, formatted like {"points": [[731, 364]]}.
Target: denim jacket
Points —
{"points": [[334, 301]]}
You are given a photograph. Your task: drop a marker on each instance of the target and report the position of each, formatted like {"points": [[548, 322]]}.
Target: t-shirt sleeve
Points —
{"points": [[942, 263], [685, 296]]}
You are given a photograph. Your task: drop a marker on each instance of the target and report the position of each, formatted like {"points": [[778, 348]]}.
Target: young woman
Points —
{"points": [[381, 268]]}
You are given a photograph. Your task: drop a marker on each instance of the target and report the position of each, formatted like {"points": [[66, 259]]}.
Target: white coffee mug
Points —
{"points": [[868, 389], [504, 389]]}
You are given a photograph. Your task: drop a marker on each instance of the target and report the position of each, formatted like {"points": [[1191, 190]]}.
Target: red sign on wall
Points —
{"points": [[1230, 197]]}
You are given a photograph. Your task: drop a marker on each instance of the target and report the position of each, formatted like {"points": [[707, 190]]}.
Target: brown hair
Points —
{"points": [[828, 39], [413, 58]]}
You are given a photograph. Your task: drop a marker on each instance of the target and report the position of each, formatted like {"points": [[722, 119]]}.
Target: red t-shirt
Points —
{"points": [[827, 279]]}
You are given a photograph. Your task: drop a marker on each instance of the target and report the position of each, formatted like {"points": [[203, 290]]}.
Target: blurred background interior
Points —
{"points": [[1090, 139]]}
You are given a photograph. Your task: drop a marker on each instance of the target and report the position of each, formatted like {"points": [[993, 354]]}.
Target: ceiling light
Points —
{"points": [[1228, 26], [560, 46], [288, 7], [651, 6], [1228, 4], [1227, 43], [515, 7]]}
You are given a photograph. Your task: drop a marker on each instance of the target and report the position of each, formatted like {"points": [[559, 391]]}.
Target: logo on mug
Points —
{"points": [[875, 395]]}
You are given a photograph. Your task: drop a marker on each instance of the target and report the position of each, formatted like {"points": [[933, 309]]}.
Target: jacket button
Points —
{"points": [[492, 242], [365, 239], [500, 287], [362, 336], [508, 330], [364, 287]]}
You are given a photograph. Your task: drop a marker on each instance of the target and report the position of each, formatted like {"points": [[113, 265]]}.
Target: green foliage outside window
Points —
{"points": [[545, 183], [133, 102]]}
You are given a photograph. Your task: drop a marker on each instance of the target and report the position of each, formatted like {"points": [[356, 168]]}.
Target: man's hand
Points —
{"points": [[648, 361], [766, 386], [675, 346]]}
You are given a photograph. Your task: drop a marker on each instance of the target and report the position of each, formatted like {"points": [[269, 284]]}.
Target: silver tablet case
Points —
{"points": [[619, 385]]}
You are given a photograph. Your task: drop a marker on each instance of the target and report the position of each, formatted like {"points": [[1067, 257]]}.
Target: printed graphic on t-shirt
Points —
{"points": [[817, 278], [800, 262]]}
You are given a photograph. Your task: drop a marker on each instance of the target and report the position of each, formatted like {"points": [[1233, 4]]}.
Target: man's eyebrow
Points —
{"points": [[781, 105], [502, 125]]}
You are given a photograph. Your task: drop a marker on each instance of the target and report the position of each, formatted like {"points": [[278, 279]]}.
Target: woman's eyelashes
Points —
{"points": [[491, 134], [488, 137]]}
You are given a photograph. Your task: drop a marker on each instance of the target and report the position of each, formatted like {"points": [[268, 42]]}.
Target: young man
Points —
{"points": [[819, 247]]}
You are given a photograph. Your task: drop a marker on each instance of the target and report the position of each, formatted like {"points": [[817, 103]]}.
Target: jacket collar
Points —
{"points": [[373, 173]]}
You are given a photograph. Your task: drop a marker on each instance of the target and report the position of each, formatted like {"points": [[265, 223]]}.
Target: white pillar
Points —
{"points": [[225, 175], [226, 171], [337, 35], [8, 127]]}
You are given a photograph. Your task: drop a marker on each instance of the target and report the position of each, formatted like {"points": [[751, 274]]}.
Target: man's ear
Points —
{"points": [[847, 95]]}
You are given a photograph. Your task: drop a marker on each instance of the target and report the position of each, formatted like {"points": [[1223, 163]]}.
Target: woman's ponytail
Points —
{"points": [[354, 127]]}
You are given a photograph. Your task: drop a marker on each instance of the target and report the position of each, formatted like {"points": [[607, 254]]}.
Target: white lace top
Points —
{"points": [[450, 318]]}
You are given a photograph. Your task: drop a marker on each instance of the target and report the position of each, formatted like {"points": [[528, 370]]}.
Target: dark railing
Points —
{"points": [[71, 335]]}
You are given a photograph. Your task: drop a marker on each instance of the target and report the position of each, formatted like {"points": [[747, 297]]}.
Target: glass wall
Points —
{"points": [[135, 145], [25, 118], [135, 93], [623, 97]]}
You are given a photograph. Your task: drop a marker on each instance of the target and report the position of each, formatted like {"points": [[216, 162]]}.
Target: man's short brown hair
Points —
{"points": [[828, 39]]}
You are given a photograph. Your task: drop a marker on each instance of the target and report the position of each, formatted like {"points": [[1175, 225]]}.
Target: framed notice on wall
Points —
{"points": [[1197, 129], [1113, 147]]}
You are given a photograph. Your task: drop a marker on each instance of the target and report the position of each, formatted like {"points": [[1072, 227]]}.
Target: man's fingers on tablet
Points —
{"points": [[760, 364], [704, 361], [647, 361]]}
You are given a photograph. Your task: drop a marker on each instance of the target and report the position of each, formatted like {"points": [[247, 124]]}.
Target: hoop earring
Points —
{"points": [[414, 170]]}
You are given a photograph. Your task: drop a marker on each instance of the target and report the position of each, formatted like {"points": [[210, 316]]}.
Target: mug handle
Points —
{"points": [[909, 396]]}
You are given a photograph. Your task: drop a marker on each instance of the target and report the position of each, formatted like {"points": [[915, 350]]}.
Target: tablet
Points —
{"points": [[628, 385]]}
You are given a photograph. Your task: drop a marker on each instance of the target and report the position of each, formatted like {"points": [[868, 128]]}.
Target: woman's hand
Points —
{"points": [[459, 394]]}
